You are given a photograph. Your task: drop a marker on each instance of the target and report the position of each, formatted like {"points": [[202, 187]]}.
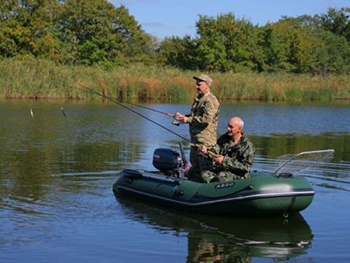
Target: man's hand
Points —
{"points": [[203, 149], [180, 117], [219, 159]]}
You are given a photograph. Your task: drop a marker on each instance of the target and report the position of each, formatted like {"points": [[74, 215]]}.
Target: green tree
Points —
{"points": [[73, 32], [275, 47], [336, 21], [333, 55], [95, 32], [178, 52], [225, 43], [289, 46], [328, 48], [26, 28]]}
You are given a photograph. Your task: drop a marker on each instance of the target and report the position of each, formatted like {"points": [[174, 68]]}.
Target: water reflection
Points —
{"points": [[224, 239], [46, 188]]}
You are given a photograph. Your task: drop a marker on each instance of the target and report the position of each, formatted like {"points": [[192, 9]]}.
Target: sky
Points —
{"points": [[166, 18]]}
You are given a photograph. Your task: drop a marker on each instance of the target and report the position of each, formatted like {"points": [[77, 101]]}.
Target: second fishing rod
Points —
{"points": [[174, 122], [145, 117]]}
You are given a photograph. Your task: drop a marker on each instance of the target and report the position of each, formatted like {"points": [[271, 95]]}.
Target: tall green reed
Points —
{"points": [[41, 79]]}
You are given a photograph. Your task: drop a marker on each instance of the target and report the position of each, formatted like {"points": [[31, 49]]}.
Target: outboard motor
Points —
{"points": [[167, 161]]}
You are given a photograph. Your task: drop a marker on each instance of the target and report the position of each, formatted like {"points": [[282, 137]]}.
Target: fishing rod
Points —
{"points": [[158, 111], [137, 113], [143, 116], [174, 122], [137, 105]]}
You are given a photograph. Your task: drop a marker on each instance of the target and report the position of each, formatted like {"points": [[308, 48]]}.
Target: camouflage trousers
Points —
{"points": [[209, 173], [194, 173], [203, 170], [223, 176]]}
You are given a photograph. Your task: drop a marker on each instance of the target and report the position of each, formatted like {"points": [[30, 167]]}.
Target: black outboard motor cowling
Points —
{"points": [[166, 160]]}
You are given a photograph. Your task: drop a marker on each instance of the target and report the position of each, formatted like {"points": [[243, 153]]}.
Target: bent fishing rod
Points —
{"points": [[154, 122], [174, 122], [139, 114], [136, 105]]}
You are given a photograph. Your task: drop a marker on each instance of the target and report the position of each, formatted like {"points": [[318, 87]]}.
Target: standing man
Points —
{"points": [[231, 158], [203, 122]]}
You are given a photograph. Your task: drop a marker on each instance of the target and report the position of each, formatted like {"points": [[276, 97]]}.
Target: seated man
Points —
{"points": [[231, 157]]}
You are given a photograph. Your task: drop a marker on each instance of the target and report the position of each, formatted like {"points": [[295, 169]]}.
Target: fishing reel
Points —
{"points": [[176, 123]]}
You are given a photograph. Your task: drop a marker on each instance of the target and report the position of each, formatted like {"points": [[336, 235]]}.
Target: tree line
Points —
{"points": [[94, 32]]}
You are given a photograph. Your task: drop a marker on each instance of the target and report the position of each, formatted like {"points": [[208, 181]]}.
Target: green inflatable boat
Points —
{"points": [[263, 194]]}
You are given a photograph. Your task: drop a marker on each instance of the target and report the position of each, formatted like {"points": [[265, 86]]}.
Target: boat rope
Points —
{"points": [[137, 113]]}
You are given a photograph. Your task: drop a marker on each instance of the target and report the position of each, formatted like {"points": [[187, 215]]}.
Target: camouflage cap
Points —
{"points": [[203, 77]]}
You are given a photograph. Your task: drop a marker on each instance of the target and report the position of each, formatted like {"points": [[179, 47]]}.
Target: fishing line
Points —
{"points": [[137, 113], [158, 111], [136, 105]]}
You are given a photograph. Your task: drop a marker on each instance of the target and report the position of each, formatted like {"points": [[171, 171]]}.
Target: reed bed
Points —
{"points": [[40, 79]]}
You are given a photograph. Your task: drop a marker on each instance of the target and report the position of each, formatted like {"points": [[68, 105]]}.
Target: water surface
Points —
{"points": [[57, 172]]}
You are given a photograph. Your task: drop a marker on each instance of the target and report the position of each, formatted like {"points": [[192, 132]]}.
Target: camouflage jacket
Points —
{"points": [[203, 120], [238, 159]]}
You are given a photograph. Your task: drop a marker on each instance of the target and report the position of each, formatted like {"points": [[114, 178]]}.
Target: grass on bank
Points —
{"points": [[39, 79]]}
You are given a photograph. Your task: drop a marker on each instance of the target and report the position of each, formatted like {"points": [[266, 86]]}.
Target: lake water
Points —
{"points": [[58, 167]]}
